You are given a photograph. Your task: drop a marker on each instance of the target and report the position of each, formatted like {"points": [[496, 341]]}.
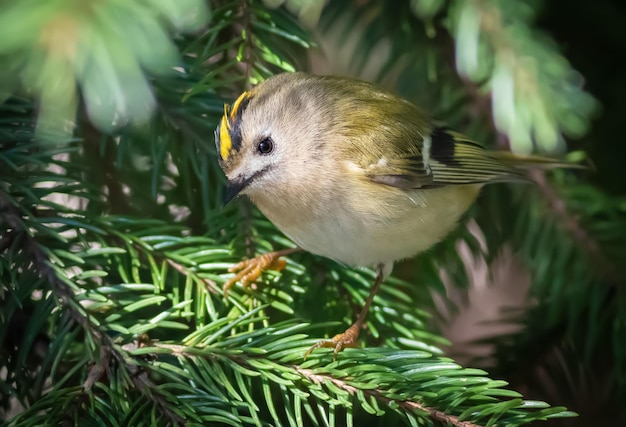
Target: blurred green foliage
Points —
{"points": [[102, 48]]}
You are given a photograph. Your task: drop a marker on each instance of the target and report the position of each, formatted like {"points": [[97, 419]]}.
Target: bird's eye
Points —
{"points": [[266, 146]]}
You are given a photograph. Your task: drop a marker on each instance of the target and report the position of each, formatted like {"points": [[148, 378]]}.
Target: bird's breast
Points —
{"points": [[364, 230]]}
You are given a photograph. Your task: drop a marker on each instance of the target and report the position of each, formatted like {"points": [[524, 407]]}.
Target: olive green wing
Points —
{"points": [[444, 158]]}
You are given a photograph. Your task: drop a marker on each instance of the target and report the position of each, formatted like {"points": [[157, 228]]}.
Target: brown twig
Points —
{"points": [[211, 286], [118, 201], [410, 405], [571, 225]]}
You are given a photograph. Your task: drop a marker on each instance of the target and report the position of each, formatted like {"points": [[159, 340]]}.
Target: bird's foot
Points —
{"points": [[350, 336], [248, 271], [347, 339]]}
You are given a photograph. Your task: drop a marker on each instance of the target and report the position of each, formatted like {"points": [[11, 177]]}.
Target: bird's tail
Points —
{"points": [[531, 161]]}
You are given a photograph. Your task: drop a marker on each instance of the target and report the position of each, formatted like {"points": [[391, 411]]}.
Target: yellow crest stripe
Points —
{"points": [[225, 141], [230, 132], [237, 103]]}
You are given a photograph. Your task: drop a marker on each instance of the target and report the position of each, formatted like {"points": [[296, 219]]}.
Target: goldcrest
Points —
{"points": [[351, 172]]}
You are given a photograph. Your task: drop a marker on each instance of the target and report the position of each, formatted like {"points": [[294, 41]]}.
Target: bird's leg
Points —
{"points": [[349, 337], [250, 269]]}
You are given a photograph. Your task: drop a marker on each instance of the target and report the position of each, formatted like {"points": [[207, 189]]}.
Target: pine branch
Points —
{"points": [[494, 43], [571, 224], [78, 43], [58, 283], [400, 380], [12, 217], [94, 143], [409, 406]]}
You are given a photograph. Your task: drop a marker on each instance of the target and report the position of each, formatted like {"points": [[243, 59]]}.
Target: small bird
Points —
{"points": [[351, 172]]}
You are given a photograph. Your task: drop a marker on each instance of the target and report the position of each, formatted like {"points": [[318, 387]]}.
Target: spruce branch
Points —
{"points": [[42, 264], [64, 47], [117, 201], [571, 224], [211, 286], [532, 86], [59, 285], [399, 380], [408, 405]]}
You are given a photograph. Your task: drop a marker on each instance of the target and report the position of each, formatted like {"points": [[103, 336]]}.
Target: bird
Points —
{"points": [[350, 171]]}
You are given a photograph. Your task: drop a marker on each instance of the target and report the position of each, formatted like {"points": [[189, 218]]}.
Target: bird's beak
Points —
{"points": [[233, 189]]}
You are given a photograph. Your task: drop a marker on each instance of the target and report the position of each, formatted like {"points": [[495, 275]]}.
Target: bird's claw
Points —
{"points": [[248, 271], [347, 339]]}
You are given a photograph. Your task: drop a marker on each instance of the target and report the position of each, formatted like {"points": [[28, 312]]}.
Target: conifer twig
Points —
{"points": [[108, 350], [409, 405], [573, 226]]}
